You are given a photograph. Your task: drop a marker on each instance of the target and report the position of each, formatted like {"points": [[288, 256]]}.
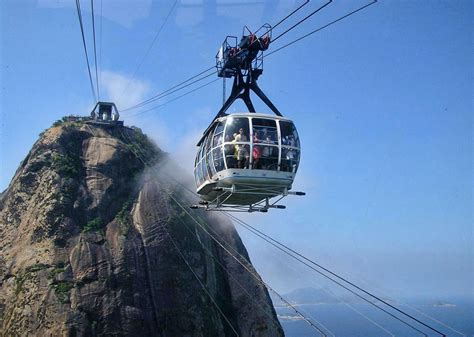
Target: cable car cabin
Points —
{"points": [[244, 159]]}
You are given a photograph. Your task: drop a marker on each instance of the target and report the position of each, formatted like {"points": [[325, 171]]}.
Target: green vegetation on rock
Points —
{"points": [[66, 166], [62, 290], [94, 225], [140, 145], [37, 267], [124, 218]]}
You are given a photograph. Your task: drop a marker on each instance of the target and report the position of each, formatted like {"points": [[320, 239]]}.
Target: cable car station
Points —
{"points": [[105, 114]]}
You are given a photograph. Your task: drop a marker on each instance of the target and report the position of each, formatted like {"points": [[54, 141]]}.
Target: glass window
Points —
{"points": [[290, 158], [208, 142], [236, 145], [265, 144], [265, 157], [233, 127], [209, 166], [197, 174], [289, 136], [218, 138], [264, 130], [202, 171], [218, 159], [196, 177], [220, 127], [198, 156], [202, 151], [230, 155]]}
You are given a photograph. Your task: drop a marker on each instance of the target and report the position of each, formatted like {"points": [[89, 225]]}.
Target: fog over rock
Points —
{"points": [[92, 243]]}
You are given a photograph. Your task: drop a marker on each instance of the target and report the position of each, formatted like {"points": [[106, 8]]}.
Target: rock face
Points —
{"points": [[94, 242]]}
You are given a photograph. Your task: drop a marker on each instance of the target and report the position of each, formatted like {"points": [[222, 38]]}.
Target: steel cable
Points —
{"points": [[95, 50], [149, 48], [278, 244], [151, 99], [253, 274], [158, 96], [302, 20], [79, 15], [174, 99], [321, 28], [199, 280]]}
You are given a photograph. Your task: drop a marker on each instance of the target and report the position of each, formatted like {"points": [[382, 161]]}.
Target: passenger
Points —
{"points": [[267, 152], [229, 152], [242, 151], [257, 151]]}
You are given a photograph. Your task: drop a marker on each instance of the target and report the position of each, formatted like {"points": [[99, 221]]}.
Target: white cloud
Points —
{"points": [[185, 151], [122, 89]]}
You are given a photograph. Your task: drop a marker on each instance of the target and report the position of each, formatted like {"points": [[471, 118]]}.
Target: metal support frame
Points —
{"points": [[112, 106], [218, 204], [241, 89], [246, 65]]}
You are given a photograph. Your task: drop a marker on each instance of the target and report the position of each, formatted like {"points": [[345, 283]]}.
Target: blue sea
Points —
{"points": [[453, 318]]}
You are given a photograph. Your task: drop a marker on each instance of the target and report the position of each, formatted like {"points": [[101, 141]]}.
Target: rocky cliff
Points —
{"points": [[94, 242]]}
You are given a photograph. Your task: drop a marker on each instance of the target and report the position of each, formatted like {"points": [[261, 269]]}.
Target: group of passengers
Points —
{"points": [[263, 157]]}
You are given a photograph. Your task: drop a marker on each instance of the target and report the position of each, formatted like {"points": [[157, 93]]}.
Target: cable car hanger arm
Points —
{"points": [[241, 89]]}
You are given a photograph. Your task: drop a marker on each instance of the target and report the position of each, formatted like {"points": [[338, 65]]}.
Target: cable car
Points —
{"points": [[245, 159]]}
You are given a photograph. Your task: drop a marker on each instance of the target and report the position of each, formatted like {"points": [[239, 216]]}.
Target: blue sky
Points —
{"points": [[382, 101]]}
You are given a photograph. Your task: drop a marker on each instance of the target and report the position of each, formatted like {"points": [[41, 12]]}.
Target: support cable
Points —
{"points": [[276, 25], [252, 273], [321, 28], [95, 50], [262, 235], [206, 70], [302, 20], [100, 40], [174, 99], [299, 256], [79, 15], [223, 267], [322, 274], [139, 155], [314, 326], [169, 91], [151, 99], [150, 47], [199, 280], [286, 17]]}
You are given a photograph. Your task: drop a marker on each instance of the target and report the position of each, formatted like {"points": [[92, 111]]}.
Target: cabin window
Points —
{"points": [[290, 158], [197, 174], [208, 142], [265, 157], [265, 144], [209, 166], [264, 130], [218, 135], [237, 142], [218, 159], [233, 127], [196, 159], [289, 136], [196, 179]]}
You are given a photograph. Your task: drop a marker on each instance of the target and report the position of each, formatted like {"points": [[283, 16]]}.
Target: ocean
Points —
{"points": [[341, 320]]}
